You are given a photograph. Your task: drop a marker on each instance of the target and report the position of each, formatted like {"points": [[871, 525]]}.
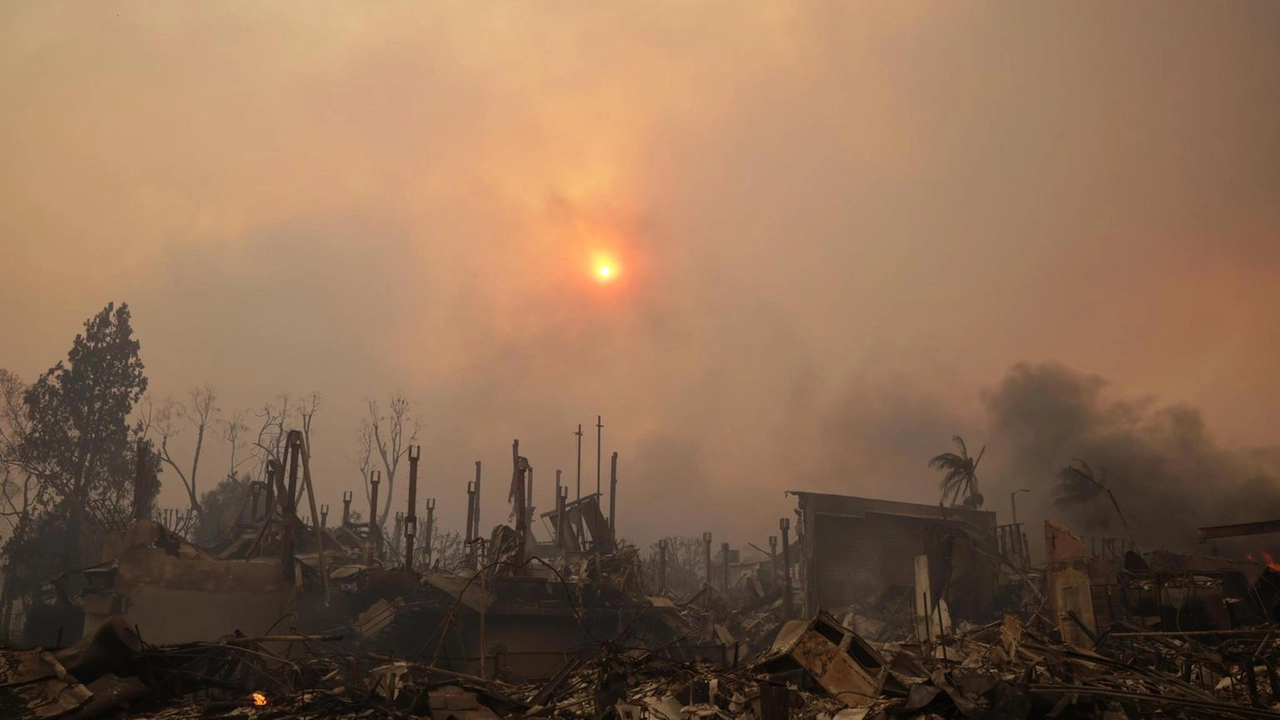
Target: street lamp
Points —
{"points": [[1013, 502]]}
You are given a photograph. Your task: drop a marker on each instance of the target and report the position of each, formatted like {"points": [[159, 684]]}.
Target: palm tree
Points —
{"points": [[960, 479], [1078, 485]]}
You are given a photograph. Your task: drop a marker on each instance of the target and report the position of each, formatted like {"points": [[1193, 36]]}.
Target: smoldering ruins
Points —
{"points": [[277, 605], [639, 360]]}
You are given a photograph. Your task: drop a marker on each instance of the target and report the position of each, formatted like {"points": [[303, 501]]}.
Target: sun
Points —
{"points": [[605, 271]]}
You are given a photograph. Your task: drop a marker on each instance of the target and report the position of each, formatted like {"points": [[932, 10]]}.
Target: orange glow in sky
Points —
{"points": [[604, 267]]}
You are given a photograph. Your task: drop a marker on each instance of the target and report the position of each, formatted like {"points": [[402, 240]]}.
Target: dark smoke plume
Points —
{"points": [[1166, 471]]}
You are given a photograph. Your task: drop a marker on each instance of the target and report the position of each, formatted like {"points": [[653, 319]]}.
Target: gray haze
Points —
{"points": [[834, 226]]}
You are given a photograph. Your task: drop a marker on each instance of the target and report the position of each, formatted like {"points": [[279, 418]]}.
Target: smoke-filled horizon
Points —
{"points": [[836, 233]]}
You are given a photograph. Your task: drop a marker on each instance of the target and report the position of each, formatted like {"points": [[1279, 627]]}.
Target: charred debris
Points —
{"points": [[862, 608]]}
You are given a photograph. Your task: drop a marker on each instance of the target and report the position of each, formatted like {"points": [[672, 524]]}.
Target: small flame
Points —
{"points": [[1263, 558], [259, 699]]}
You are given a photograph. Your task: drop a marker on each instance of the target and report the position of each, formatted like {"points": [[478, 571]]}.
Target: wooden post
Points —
{"points": [[788, 609], [924, 600]]}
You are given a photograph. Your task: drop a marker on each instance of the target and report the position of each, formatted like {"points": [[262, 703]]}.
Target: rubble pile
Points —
{"points": [[1012, 669]]}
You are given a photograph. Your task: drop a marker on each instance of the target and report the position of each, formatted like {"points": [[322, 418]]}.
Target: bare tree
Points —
{"points": [[17, 480], [1079, 485], [200, 413], [307, 409], [384, 441], [271, 432], [234, 430]]}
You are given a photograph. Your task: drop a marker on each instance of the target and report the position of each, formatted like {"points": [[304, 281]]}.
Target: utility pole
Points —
{"points": [[599, 436], [579, 498]]}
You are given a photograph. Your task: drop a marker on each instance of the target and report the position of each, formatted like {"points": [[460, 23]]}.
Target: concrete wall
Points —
{"points": [[853, 548], [174, 600]]}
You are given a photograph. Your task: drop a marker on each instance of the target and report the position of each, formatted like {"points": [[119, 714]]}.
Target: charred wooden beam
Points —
{"points": [[1239, 530]]}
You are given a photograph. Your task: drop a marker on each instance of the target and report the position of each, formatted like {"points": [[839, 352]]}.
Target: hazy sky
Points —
{"points": [[834, 224]]}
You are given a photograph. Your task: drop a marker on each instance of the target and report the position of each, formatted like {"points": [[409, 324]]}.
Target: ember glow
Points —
{"points": [[1262, 557], [259, 699]]}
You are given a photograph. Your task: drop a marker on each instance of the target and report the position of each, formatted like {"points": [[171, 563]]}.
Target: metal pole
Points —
{"points": [[579, 496], [599, 435], [784, 525], [613, 497], [411, 516]]}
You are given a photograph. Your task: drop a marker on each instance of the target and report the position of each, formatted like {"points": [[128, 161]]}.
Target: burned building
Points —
{"points": [[857, 551]]}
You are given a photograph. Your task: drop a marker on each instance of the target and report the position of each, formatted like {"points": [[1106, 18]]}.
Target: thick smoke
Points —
{"points": [[1166, 470]]}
